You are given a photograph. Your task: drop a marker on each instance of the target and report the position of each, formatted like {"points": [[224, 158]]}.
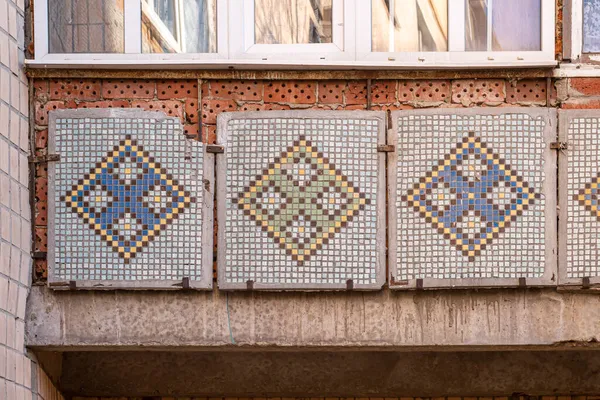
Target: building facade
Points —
{"points": [[299, 199]]}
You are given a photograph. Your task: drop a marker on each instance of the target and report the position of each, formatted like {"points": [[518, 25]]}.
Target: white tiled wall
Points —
{"points": [[20, 377]]}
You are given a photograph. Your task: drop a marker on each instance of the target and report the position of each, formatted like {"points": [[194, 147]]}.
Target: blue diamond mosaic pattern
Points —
{"points": [[301, 202], [583, 221], [127, 200], [470, 206]]}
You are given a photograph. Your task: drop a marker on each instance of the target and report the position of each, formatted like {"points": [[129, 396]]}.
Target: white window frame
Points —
{"points": [[133, 42], [243, 46], [456, 54], [573, 30], [574, 33], [351, 47]]}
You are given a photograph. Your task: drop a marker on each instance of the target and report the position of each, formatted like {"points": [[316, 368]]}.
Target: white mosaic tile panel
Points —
{"points": [[301, 200], [471, 204], [580, 177], [127, 201]]}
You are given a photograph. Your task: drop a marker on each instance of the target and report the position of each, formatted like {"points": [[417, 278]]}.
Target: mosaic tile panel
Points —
{"points": [[579, 197], [473, 192], [302, 198], [128, 207]]}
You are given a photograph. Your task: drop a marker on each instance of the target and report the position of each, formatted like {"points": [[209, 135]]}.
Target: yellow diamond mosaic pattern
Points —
{"points": [[302, 203]]}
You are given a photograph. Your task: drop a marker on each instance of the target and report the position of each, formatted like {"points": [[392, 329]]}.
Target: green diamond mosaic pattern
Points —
{"points": [[470, 206], [301, 201], [583, 221], [127, 200]]}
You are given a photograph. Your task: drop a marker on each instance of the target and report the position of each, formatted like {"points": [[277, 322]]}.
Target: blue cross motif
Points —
{"points": [[127, 198], [471, 196]]}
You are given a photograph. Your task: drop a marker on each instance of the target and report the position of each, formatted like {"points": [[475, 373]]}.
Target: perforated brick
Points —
{"points": [[469, 91], [433, 90], [41, 239], [212, 108], [209, 134], [80, 89], [331, 92], [191, 130], [192, 114], [128, 89], [41, 89], [41, 139], [172, 108], [356, 93], [41, 213], [383, 92], [42, 109], [177, 89], [529, 91], [298, 92], [236, 90]]}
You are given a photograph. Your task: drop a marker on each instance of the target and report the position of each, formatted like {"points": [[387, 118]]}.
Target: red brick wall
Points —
{"points": [[180, 98]]}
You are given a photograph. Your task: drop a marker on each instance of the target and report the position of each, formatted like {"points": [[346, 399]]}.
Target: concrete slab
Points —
{"points": [[451, 320]]}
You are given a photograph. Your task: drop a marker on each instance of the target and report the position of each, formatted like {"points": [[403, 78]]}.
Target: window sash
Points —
{"points": [[456, 54], [243, 46], [351, 42]]}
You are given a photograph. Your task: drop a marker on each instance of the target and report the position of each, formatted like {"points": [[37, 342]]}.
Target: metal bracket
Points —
{"points": [[39, 255], [185, 282], [44, 159], [420, 284], [386, 148], [349, 284], [559, 145], [250, 285], [72, 285], [585, 283], [522, 282], [215, 148]]}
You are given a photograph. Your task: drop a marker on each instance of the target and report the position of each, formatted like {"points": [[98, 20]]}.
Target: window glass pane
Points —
{"points": [[86, 26], [513, 25], [591, 26], [179, 26], [293, 21], [409, 25], [476, 25]]}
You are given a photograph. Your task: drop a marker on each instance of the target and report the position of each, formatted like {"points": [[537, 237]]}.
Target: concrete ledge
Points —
{"points": [[472, 319]]}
